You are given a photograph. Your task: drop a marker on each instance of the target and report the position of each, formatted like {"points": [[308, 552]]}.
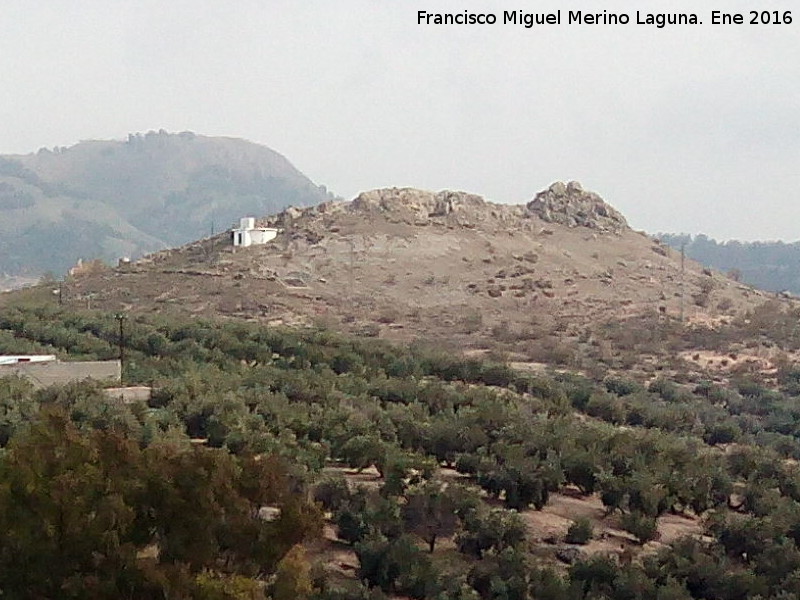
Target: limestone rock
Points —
{"points": [[568, 204], [574, 187], [531, 257], [420, 204], [558, 189]]}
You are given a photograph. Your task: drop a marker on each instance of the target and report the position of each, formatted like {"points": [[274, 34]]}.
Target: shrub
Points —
{"points": [[396, 566], [723, 433], [293, 576], [579, 469], [468, 463], [668, 390], [495, 530], [579, 394], [621, 386], [644, 528], [580, 532], [606, 407], [332, 493], [471, 322], [596, 573]]}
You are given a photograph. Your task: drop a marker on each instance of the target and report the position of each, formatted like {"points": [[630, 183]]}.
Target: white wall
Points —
{"points": [[262, 236], [250, 237]]}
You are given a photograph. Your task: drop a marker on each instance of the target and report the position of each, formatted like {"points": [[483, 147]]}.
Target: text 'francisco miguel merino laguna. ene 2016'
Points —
{"points": [[558, 17]]}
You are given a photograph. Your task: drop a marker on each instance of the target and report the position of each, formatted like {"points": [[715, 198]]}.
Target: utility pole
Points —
{"points": [[352, 265], [60, 293], [683, 270], [120, 317]]}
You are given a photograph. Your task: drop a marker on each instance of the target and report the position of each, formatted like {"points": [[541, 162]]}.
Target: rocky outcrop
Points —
{"points": [[420, 203], [565, 204], [569, 204]]}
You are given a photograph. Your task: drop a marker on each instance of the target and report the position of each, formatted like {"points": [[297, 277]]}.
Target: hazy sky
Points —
{"points": [[693, 129]]}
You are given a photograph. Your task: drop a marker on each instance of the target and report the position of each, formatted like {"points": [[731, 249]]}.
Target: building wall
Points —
{"points": [[52, 373], [253, 236], [241, 237], [262, 236]]}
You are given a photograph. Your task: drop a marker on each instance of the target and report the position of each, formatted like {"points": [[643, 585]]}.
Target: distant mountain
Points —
{"points": [[771, 266], [107, 199]]}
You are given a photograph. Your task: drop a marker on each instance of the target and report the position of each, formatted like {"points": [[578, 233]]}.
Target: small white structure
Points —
{"points": [[248, 234], [16, 359]]}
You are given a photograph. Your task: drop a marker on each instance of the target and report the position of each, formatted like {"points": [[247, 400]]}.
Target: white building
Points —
{"points": [[248, 234]]}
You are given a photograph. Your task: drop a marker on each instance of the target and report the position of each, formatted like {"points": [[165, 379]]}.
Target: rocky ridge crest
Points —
{"points": [[569, 204], [424, 205], [565, 204]]}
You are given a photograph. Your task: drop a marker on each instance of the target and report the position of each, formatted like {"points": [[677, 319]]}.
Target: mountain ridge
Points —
{"points": [[108, 198]]}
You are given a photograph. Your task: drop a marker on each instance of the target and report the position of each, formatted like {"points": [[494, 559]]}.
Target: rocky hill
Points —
{"points": [[537, 280], [108, 199]]}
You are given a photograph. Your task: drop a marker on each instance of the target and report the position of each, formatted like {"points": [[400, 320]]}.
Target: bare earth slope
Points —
{"points": [[405, 263]]}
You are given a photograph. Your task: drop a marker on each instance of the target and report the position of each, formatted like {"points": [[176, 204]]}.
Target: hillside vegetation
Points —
{"points": [[773, 266], [108, 199], [104, 500]]}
